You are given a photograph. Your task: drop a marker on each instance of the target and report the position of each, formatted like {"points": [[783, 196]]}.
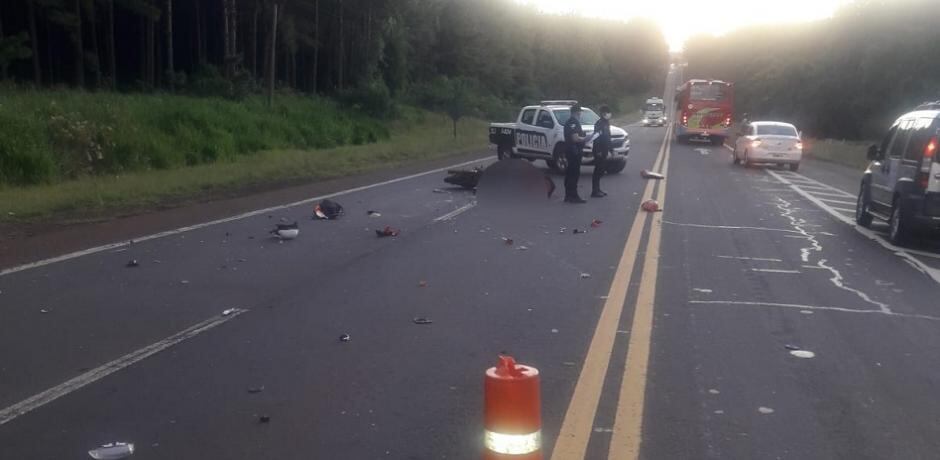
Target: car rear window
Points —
{"points": [[776, 130], [921, 131]]}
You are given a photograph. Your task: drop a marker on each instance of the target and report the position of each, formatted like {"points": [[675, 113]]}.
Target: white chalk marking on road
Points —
{"points": [[760, 259], [765, 410], [771, 270], [804, 308], [456, 212], [838, 281], [920, 266], [728, 227], [106, 247], [34, 402]]}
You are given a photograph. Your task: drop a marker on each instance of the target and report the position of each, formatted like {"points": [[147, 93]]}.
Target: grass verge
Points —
{"points": [[846, 153], [418, 136]]}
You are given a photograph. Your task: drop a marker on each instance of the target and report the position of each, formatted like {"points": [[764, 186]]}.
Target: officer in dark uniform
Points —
{"points": [[574, 141], [602, 147]]}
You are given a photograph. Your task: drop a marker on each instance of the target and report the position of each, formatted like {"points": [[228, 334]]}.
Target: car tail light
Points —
{"points": [[756, 143], [930, 151], [727, 122], [685, 119]]}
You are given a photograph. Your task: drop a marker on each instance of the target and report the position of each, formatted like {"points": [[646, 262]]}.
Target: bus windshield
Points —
{"points": [[708, 92], [654, 107]]}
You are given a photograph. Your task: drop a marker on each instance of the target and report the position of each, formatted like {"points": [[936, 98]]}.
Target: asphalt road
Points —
{"points": [[676, 346]]}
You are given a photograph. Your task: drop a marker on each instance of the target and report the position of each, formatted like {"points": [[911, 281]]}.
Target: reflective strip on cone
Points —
{"points": [[513, 444]]}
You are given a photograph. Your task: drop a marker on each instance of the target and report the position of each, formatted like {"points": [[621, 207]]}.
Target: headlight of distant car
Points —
{"points": [[646, 120]]}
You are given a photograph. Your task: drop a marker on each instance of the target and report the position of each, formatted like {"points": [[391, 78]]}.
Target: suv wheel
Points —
{"points": [[559, 162], [504, 152], [734, 157], [863, 216], [899, 224]]}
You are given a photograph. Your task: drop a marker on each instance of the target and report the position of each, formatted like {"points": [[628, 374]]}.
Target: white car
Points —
{"points": [[769, 142]]}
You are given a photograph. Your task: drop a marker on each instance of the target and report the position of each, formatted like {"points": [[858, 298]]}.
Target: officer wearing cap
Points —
{"points": [[574, 141], [602, 147]]}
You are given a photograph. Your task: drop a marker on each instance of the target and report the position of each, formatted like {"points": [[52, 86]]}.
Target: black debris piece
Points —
{"points": [[420, 320], [328, 209], [264, 419], [344, 338], [387, 231], [254, 390], [792, 347], [133, 263], [467, 179], [578, 231]]}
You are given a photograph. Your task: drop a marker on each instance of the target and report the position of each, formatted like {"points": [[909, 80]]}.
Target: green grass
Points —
{"points": [[419, 135], [846, 153], [53, 136]]}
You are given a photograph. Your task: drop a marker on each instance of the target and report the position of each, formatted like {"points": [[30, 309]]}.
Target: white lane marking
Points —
{"points": [[840, 195], [931, 272], [107, 247], [761, 259], [728, 227], [830, 200], [771, 270], [811, 308], [456, 212], [36, 401], [704, 291], [849, 211]]}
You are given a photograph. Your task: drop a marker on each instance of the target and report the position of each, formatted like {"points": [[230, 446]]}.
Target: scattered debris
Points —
{"points": [[554, 331], [508, 241], [765, 410], [420, 320], [286, 231], [112, 451], [264, 419], [714, 391], [596, 223], [646, 174], [651, 206], [387, 231], [804, 354], [467, 179], [43, 311], [184, 282], [563, 230], [328, 209], [585, 275], [422, 283], [791, 347], [229, 311], [373, 213], [522, 248], [255, 390], [719, 412], [578, 231], [438, 190], [344, 338], [133, 263]]}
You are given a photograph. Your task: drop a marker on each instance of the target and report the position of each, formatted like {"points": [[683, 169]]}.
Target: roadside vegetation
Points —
{"points": [[846, 153], [846, 77]]}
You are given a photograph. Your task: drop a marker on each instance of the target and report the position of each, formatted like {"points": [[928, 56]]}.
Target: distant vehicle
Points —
{"points": [[768, 142], [704, 109], [902, 182], [654, 112], [538, 134]]}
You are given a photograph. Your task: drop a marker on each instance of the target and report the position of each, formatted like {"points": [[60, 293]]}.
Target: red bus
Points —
{"points": [[704, 109]]}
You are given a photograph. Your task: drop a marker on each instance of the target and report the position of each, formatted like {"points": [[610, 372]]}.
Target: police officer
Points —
{"points": [[602, 147], [574, 140]]}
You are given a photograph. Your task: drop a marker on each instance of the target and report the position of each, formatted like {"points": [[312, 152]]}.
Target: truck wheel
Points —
{"points": [[504, 152], [559, 163], [863, 215], [900, 226], [615, 167]]}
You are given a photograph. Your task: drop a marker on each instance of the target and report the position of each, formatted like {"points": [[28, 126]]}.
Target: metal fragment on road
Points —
{"points": [[804, 354], [554, 331], [43, 311], [791, 347], [713, 391], [765, 410], [229, 311], [112, 451], [585, 275], [344, 338], [420, 320], [373, 214], [133, 263], [254, 390], [264, 419]]}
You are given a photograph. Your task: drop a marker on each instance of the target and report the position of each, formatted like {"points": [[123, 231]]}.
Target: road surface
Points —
{"points": [[665, 336]]}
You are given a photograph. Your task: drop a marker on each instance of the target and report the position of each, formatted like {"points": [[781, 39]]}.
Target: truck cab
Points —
{"points": [[538, 134], [654, 112]]}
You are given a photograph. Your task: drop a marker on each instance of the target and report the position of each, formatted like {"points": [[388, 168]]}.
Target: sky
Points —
{"points": [[681, 19]]}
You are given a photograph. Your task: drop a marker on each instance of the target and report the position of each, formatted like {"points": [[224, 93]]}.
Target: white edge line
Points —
{"points": [[106, 247], [812, 307], [36, 401], [762, 259], [771, 270], [932, 273], [457, 212]]}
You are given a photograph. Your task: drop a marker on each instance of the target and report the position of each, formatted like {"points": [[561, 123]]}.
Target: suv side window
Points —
{"points": [[528, 116], [920, 135], [900, 139], [545, 120], [886, 142]]}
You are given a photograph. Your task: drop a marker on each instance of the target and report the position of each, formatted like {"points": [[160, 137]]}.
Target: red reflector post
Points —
{"points": [[512, 419]]}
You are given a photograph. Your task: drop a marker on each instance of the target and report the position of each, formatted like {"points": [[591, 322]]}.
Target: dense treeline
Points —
{"points": [[372, 51], [845, 77]]}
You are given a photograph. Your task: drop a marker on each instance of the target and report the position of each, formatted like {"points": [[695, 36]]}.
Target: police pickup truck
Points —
{"points": [[538, 134]]}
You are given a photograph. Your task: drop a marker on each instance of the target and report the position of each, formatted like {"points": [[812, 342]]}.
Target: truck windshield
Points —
{"points": [[654, 107], [588, 117]]}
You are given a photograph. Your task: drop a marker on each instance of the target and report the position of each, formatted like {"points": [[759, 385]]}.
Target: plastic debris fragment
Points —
{"points": [[112, 451], [344, 338], [387, 231], [596, 223], [286, 231], [420, 320], [646, 174], [328, 209]]}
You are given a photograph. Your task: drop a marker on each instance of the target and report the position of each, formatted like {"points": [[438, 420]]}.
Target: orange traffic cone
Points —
{"points": [[513, 417]]}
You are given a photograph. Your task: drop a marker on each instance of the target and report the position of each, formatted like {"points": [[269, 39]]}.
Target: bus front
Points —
{"points": [[704, 110]]}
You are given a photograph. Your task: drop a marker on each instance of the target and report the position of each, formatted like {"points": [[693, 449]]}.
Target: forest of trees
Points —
{"points": [[846, 77], [372, 50]]}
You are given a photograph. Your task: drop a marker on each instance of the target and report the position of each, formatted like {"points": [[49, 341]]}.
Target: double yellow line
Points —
{"points": [[578, 423]]}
